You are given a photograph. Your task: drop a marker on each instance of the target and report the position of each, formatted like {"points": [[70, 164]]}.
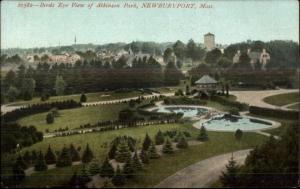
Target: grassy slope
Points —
{"points": [[219, 143], [282, 99], [73, 118], [91, 97], [295, 106]]}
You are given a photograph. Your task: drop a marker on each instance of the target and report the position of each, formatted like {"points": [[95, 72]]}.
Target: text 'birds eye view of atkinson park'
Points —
{"points": [[156, 94]]}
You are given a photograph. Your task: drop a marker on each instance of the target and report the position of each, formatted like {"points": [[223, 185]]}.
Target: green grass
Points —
{"points": [[91, 97], [158, 169], [282, 99], [295, 106], [73, 118]]}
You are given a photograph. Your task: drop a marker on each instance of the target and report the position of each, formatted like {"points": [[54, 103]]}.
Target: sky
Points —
{"points": [[231, 22]]}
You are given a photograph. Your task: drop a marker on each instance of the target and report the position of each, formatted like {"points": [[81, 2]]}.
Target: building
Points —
{"points": [[206, 85], [64, 58], [209, 41]]}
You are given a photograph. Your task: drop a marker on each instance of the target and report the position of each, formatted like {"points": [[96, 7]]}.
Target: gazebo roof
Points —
{"points": [[206, 80]]}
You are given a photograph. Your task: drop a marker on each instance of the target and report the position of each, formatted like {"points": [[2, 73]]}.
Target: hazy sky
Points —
{"points": [[230, 21]]}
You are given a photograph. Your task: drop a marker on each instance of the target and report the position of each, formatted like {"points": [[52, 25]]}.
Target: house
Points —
{"points": [[206, 85]]}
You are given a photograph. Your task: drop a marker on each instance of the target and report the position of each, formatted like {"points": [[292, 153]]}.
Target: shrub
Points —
{"points": [[183, 101], [182, 143], [123, 152], [238, 134], [119, 178], [64, 158], [226, 102], [152, 152], [234, 111], [106, 169], [87, 155], [50, 157], [50, 118], [167, 148], [40, 163], [159, 138], [284, 114], [202, 135], [83, 98]]}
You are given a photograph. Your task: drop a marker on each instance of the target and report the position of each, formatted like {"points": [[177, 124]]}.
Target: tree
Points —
{"points": [[137, 165], [20, 162], [229, 178], [152, 152], [40, 164], [107, 169], [123, 152], [50, 118], [172, 74], [202, 135], [64, 158], [193, 51], [182, 143], [107, 184], [18, 173], [27, 88], [167, 55], [238, 134], [87, 155], [213, 56], [94, 167], [167, 148], [74, 153], [12, 93], [113, 150], [27, 157], [144, 155], [159, 138], [224, 62], [187, 90], [179, 49], [50, 157], [83, 177], [60, 85], [83, 98], [119, 178], [227, 89], [147, 142], [128, 169]]}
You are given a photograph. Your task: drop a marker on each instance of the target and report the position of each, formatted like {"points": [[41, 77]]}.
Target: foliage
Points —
{"points": [[202, 135], [229, 177], [107, 169], [159, 138], [60, 85], [182, 143], [147, 142], [94, 167], [64, 159], [50, 157], [284, 114], [87, 155], [238, 134], [40, 164], [183, 101], [144, 156], [123, 152], [167, 148], [226, 102], [153, 152], [50, 118], [74, 153], [83, 98], [119, 178], [128, 169], [136, 163]]}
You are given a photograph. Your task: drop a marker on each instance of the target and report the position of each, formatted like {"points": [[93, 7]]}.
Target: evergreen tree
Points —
{"points": [[144, 155], [119, 178], [27, 157], [182, 143], [83, 98], [87, 155], [152, 152], [50, 157], [20, 162], [18, 173], [147, 142], [60, 85], [113, 150], [107, 169], [229, 178], [107, 184], [74, 153], [202, 135], [74, 181], [238, 134], [40, 163], [64, 158], [94, 167], [33, 156], [131, 144], [159, 138], [83, 177], [137, 165], [123, 153], [128, 169], [167, 148]]}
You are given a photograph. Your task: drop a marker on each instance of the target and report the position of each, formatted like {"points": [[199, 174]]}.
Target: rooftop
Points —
{"points": [[206, 80]]}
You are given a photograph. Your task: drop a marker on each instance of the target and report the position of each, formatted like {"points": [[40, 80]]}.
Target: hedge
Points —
{"points": [[278, 113], [184, 101], [226, 102], [38, 108]]}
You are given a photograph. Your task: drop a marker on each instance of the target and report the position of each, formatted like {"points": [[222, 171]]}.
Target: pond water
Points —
{"points": [[221, 122], [232, 123], [188, 111]]}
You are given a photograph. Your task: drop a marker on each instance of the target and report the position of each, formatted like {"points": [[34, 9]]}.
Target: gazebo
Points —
{"points": [[206, 84]]}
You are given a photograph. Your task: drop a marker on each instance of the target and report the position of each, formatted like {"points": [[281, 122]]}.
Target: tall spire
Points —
{"points": [[75, 40]]}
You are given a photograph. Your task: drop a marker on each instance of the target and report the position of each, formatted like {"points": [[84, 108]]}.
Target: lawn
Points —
{"points": [[158, 169], [282, 99], [73, 118], [295, 106], [91, 97]]}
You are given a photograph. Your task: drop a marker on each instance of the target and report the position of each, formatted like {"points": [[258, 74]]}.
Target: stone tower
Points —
{"points": [[209, 41]]}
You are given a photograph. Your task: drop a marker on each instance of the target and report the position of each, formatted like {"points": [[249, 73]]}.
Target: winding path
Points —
{"points": [[203, 173]]}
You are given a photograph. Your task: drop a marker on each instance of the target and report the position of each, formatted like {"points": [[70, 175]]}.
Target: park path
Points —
{"points": [[255, 98], [203, 173]]}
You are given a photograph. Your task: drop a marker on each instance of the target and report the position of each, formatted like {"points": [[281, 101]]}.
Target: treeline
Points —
{"points": [[92, 76], [15, 136], [38, 108]]}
